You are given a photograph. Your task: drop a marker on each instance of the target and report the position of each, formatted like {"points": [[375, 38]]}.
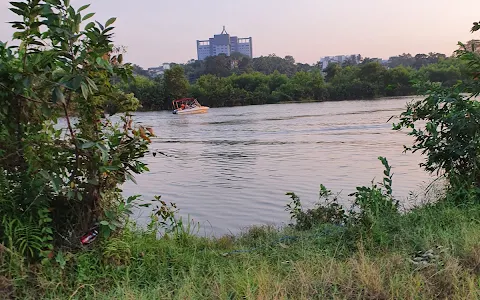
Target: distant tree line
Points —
{"points": [[238, 80]]}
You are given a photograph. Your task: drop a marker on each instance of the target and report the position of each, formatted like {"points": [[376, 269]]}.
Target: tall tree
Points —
{"points": [[220, 65], [331, 71], [175, 84]]}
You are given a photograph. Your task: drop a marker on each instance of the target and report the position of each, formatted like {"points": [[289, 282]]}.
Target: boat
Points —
{"points": [[187, 106]]}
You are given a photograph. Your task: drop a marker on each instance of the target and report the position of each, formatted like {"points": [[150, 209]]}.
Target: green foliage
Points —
{"points": [[373, 213], [271, 63], [175, 84], [219, 65], [445, 127], [418, 61], [258, 88], [150, 93], [238, 80], [327, 211], [58, 179], [365, 81]]}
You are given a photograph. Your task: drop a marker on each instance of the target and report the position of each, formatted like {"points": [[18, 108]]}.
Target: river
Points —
{"points": [[231, 167]]}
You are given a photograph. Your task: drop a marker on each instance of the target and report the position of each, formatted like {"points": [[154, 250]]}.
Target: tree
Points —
{"points": [[245, 65], [405, 59], [398, 81], [304, 67], [289, 60], [176, 85], [445, 128], [271, 63], [472, 45], [212, 91], [56, 185], [137, 70], [331, 71], [219, 65], [194, 69], [149, 92]]}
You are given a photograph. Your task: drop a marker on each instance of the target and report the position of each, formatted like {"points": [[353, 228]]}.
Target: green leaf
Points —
{"points": [[116, 223], [100, 61], [110, 214], [133, 198], [104, 223], [54, 2], [83, 7], [110, 22], [38, 43], [56, 184], [106, 232], [129, 176], [57, 95], [91, 83], [110, 168], [71, 12], [104, 151], [76, 82], [20, 5], [60, 259], [100, 25], [87, 145], [120, 58], [45, 174], [85, 90], [17, 11], [18, 26], [66, 2], [88, 16], [89, 26]]}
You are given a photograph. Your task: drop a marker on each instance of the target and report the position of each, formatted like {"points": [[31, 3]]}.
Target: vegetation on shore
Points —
{"points": [[55, 186], [277, 80]]}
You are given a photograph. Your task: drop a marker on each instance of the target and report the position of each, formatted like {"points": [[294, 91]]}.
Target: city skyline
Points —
{"points": [[155, 32]]}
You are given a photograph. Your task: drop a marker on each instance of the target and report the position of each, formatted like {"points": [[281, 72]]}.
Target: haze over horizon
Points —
{"points": [[155, 32]]}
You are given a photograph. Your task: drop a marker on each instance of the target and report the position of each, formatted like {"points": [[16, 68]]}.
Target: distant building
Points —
{"points": [[223, 43], [339, 59], [158, 71]]}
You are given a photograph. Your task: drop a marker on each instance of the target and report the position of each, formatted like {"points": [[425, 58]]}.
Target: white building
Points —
{"points": [[339, 59], [158, 71], [223, 43]]}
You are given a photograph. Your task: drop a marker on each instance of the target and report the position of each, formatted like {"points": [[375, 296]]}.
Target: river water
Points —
{"points": [[231, 167]]}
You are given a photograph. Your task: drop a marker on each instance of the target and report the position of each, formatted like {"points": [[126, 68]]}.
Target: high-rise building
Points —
{"points": [[223, 43], [339, 59]]}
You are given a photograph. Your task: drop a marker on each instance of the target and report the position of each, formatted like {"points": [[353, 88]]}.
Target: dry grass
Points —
{"points": [[312, 266]]}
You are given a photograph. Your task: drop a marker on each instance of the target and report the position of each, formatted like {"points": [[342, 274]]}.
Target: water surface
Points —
{"points": [[230, 168]]}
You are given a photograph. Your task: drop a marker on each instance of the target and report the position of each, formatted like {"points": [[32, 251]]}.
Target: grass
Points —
{"points": [[325, 262]]}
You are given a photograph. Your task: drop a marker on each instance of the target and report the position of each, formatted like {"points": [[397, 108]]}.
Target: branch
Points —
{"points": [[20, 95]]}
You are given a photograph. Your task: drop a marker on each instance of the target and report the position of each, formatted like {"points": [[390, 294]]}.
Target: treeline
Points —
{"points": [[157, 93], [367, 80]]}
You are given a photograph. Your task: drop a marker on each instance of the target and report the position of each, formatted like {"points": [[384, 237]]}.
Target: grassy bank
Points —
{"points": [[433, 252]]}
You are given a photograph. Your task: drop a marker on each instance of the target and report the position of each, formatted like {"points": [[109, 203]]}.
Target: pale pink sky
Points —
{"points": [[157, 31]]}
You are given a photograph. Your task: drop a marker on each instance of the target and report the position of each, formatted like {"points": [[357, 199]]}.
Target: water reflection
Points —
{"points": [[232, 166]]}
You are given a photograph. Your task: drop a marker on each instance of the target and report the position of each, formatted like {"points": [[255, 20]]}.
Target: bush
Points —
{"points": [[372, 215], [445, 128]]}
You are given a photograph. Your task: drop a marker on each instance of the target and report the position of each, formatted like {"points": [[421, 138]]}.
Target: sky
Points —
{"points": [[158, 31]]}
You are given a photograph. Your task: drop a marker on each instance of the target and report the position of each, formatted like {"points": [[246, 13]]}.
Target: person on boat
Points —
{"points": [[182, 107]]}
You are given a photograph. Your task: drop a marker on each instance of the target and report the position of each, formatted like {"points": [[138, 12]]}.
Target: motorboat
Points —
{"points": [[187, 106]]}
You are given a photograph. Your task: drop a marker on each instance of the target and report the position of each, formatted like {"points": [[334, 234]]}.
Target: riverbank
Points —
{"points": [[432, 253]]}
